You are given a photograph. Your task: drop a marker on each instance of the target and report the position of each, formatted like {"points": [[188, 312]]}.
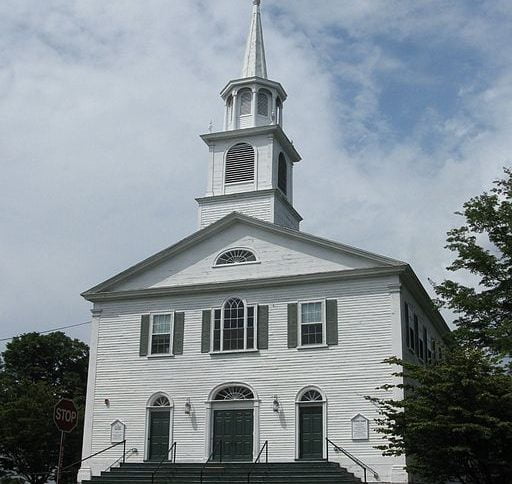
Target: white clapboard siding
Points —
{"points": [[258, 207], [346, 372]]}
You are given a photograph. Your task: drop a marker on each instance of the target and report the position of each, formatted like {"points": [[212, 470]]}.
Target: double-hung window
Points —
{"points": [[161, 331], [234, 326], [312, 323]]}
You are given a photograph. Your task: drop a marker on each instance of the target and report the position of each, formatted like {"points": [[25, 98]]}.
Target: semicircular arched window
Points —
{"points": [[235, 392], [240, 163], [235, 256], [161, 401], [311, 396]]}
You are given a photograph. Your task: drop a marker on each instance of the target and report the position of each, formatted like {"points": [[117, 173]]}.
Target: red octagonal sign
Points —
{"points": [[65, 415]]}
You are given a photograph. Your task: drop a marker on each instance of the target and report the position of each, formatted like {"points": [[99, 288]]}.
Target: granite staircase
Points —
{"points": [[315, 472]]}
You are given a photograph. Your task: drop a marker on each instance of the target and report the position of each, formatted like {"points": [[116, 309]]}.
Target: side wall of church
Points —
{"points": [[419, 325], [368, 322]]}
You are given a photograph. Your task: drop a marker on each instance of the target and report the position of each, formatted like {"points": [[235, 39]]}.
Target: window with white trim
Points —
{"points": [[161, 331], [312, 323], [234, 326]]}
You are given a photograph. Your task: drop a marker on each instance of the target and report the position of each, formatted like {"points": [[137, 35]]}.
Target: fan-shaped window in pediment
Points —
{"points": [[235, 256], [235, 392]]}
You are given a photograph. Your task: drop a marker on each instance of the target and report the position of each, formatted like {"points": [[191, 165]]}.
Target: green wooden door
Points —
{"points": [[311, 436], [158, 434], [234, 428]]}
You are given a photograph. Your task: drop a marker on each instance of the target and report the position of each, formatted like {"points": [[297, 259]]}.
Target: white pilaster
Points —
{"points": [[85, 471]]}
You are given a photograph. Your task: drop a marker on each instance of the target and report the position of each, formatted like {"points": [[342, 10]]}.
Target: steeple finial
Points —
{"points": [[254, 62]]}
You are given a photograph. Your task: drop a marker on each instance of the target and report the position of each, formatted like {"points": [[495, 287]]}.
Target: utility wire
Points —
{"points": [[52, 330]]}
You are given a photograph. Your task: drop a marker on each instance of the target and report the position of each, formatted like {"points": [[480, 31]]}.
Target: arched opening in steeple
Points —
{"points": [[282, 174], [239, 164], [264, 98], [279, 113], [245, 102]]}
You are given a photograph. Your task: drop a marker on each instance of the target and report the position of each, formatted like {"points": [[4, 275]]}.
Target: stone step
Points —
{"points": [[320, 472]]}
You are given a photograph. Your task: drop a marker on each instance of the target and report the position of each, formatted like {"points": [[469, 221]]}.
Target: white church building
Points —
{"points": [[250, 330]]}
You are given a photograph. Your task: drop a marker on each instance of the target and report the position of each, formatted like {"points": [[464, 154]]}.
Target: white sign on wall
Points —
{"points": [[117, 431], [360, 428]]}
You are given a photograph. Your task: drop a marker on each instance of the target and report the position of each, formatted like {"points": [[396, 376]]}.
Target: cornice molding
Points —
{"points": [[272, 129], [317, 277]]}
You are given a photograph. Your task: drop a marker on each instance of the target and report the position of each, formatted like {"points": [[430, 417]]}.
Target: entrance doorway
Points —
{"points": [[158, 427], [311, 422], [232, 429], [159, 421], [233, 434], [311, 440]]}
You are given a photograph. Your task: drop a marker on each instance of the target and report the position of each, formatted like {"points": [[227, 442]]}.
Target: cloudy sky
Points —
{"points": [[401, 110]]}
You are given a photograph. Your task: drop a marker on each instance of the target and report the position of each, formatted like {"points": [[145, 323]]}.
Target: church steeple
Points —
{"points": [[255, 64], [251, 163]]}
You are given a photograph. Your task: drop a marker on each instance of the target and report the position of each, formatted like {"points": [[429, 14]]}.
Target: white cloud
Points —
{"points": [[101, 105]]}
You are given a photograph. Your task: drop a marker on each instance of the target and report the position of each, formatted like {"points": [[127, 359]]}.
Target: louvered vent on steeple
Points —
{"points": [[240, 163]]}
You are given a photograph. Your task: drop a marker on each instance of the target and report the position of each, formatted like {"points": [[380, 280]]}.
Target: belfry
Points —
{"points": [[250, 168]]}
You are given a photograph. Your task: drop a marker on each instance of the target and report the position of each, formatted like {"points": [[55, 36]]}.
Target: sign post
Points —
{"points": [[65, 416]]}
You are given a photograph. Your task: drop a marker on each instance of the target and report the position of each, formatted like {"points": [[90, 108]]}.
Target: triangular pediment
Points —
{"points": [[279, 252]]}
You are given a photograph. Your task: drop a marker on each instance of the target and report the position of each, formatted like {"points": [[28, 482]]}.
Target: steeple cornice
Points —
{"points": [[254, 80]]}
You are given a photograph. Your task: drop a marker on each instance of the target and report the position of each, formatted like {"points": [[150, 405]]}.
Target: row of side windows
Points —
{"points": [[418, 338], [237, 326]]}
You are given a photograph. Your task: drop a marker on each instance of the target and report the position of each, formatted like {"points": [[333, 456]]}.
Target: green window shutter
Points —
{"points": [[144, 335], [205, 331], [179, 330], [331, 311], [292, 325], [263, 327]]}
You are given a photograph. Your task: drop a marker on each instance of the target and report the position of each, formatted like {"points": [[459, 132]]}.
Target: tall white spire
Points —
{"points": [[254, 61]]}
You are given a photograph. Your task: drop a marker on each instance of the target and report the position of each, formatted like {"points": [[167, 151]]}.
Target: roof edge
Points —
{"points": [[245, 283]]}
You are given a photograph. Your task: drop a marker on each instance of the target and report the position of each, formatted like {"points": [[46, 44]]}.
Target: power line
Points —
{"points": [[52, 330]]}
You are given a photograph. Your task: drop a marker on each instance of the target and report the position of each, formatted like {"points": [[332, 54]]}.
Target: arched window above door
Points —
{"points": [[235, 392], [159, 400], [311, 396]]}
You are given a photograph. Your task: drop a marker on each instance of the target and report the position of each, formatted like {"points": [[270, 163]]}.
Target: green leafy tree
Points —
{"points": [[36, 371], [483, 246], [455, 422]]}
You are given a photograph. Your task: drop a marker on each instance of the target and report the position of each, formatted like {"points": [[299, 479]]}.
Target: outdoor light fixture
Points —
{"points": [[188, 406], [275, 404], [107, 402]]}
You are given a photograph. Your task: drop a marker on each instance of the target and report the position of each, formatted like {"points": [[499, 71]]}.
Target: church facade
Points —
{"points": [[249, 330]]}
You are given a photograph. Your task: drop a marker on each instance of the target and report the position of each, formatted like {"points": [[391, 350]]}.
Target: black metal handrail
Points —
{"points": [[172, 451], [353, 458], [128, 453], [265, 447], [100, 452], [212, 455]]}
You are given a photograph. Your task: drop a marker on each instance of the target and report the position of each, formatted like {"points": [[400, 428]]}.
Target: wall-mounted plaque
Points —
{"points": [[117, 431], [360, 428]]}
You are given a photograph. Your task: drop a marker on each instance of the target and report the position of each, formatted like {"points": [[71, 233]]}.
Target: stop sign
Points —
{"points": [[65, 415]]}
